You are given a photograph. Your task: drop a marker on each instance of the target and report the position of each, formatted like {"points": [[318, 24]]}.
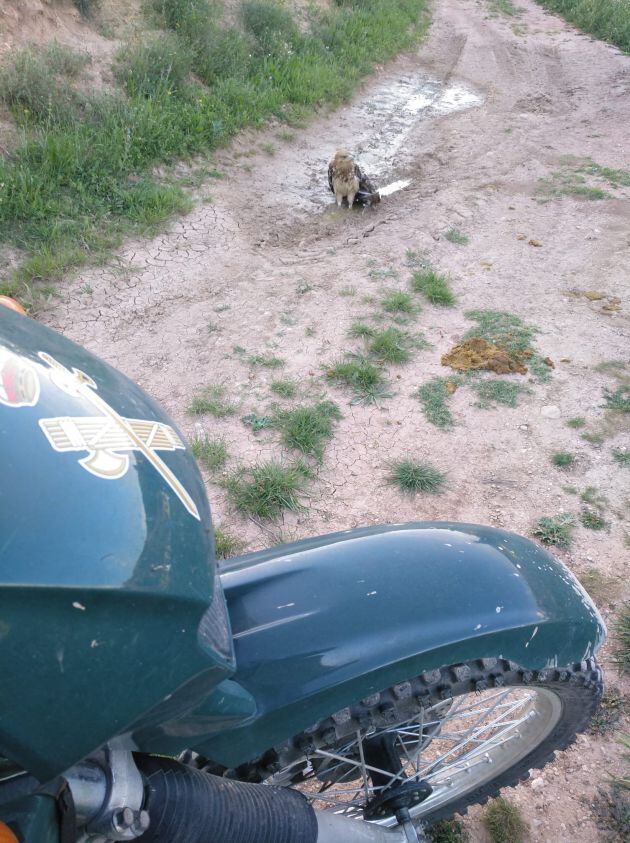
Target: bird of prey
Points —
{"points": [[347, 181]]}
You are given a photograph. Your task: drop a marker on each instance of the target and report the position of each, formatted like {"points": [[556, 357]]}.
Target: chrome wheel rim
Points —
{"points": [[475, 738]]}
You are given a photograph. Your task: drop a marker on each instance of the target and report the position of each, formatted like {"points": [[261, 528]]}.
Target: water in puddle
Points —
{"points": [[394, 109]]}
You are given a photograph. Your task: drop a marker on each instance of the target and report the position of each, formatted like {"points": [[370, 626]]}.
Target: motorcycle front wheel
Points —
{"points": [[442, 741]]}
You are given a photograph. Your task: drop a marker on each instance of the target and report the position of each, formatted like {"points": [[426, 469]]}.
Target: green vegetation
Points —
{"points": [[391, 345], [397, 301], [447, 831], [619, 400], [257, 422], [212, 453], [593, 497], [605, 19], [285, 388], [510, 333], [268, 361], [412, 476], [504, 822], [347, 292], [211, 400], [494, 392], [593, 438], [591, 519], [433, 396], [434, 286], [265, 490], [359, 330], [308, 428], [87, 170], [571, 180], [621, 631], [563, 459], [86, 7], [620, 456], [225, 544], [454, 235], [612, 707], [361, 375], [576, 422], [555, 530], [506, 7]]}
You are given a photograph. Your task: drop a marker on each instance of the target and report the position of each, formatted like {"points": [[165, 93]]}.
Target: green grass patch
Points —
{"points": [[211, 400], [267, 489], [593, 438], [434, 286], [621, 633], [225, 544], [257, 422], [577, 422], [592, 520], [505, 7], [454, 235], [555, 530], [448, 831], [563, 459], [347, 292], [398, 301], [267, 361], [433, 396], [212, 453], [619, 400], [593, 497], [284, 387], [364, 377], [509, 332], [605, 19], [412, 476], [308, 428], [492, 393], [391, 345], [504, 823], [87, 170], [620, 456], [359, 330]]}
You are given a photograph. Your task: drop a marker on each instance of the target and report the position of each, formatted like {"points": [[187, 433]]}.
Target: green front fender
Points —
{"points": [[323, 622]]}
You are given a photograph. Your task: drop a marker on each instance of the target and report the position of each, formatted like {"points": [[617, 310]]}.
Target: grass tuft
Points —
{"points": [[156, 65], [592, 520], [267, 489], [391, 345], [504, 822], [619, 400], [412, 477], [494, 392], [212, 453], [434, 286], [577, 422], [365, 378], [454, 235], [284, 387], [563, 459], [621, 632], [621, 456], [225, 544], [397, 301], [308, 428], [268, 361], [447, 831], [359, 330], [433, 396], [555, 530], [211, 400]]}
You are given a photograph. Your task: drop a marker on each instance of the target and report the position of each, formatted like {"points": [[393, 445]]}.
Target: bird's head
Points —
{"points": [[343, 155]]}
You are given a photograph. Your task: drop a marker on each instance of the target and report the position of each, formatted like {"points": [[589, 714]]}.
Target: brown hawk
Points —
{"points": [[346, 180]]}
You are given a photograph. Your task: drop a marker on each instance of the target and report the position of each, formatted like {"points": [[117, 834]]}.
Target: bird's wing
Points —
{"points": [[365, 183], [330, 177]]}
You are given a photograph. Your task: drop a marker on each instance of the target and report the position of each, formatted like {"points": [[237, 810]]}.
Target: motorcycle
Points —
{"points": [[344, 688]]}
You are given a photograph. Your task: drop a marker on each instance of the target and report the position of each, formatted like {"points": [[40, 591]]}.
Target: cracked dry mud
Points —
{"points": [[265, 262]]}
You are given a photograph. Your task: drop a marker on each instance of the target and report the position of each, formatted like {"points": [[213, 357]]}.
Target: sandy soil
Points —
{"points": [[265, 266]]}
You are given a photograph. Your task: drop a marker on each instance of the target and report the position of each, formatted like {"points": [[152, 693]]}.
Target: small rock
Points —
{"points": [[521, 237], [533, 242], [550, 411], [538, 783]]}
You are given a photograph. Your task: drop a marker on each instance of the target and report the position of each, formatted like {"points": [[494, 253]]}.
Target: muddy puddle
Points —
{"points": [[382, 123]]}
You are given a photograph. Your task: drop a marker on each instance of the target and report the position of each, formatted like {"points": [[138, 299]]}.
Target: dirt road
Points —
{"points": [[488, 107]]}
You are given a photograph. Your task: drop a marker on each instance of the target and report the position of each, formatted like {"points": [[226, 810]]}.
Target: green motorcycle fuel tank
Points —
{"points": [[117, 627]]}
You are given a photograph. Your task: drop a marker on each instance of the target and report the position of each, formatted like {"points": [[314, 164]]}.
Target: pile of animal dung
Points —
{"points": [[477, 353]]}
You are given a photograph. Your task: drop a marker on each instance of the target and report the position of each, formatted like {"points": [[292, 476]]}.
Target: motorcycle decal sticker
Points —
{"points": [[19, 384], [103, 436]]}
